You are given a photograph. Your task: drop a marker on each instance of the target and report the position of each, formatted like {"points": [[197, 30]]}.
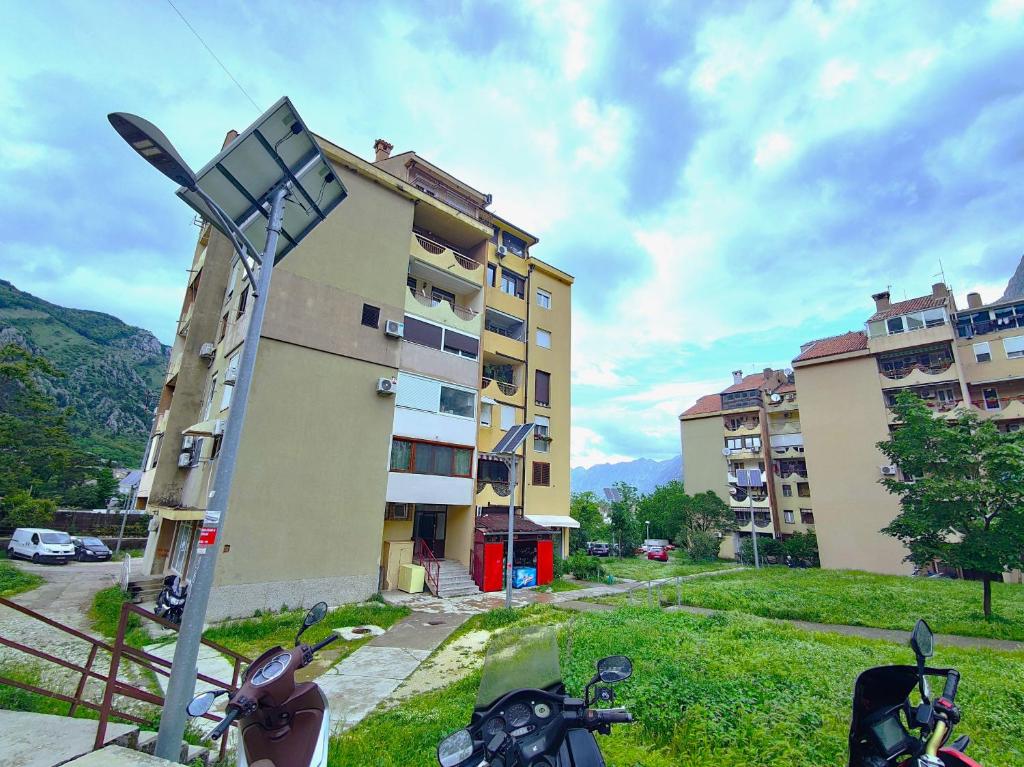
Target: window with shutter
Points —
{"points": [[541, 473], [982, 352], [1014, 347], [542, 390], [423, 333], [508, 417], [418, 393]]}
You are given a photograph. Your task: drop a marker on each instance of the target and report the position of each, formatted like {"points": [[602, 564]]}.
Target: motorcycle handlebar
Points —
{"points": [[321, 645], [611, 716], [952, 682], [224, 723]]}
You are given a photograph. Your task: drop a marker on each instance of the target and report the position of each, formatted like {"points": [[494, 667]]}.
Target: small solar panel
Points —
{"points": [[613, 494], [513, 438], [749, 478]]}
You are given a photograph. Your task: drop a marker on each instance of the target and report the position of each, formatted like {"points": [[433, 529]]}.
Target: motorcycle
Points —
{"points": [[280, 722], [881, 703], [170, 604], [523, 716]]}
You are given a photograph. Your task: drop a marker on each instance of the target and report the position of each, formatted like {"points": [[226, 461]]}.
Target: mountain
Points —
{"points": [[1015, 287], [644, 474], [113, 371]]}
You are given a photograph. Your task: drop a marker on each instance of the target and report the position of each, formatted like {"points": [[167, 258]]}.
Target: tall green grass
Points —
{"points": [[105, 615], [14, 580]]}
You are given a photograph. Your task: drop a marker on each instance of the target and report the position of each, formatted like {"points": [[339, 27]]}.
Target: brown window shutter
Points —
{"points": [[422, 332], [541, 473], [543, 388], [462, 343]]}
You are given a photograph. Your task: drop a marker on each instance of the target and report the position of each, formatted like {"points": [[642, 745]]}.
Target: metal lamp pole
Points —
{"points": [[181, 685], [511, 524], [753, 532]]}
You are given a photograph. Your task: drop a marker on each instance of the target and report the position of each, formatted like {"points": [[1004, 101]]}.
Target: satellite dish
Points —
{"points": [[776, 398], [726, 451]]}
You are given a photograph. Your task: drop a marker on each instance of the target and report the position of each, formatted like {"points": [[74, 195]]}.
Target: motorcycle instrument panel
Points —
{"points": [[272, 669]]}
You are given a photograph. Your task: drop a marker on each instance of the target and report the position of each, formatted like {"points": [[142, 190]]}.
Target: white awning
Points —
{"points": [[488, 401], [553, 521], [201, 429]]}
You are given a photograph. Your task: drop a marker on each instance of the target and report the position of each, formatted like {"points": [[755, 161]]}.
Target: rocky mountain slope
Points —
{"points": [[644, 474], [113, 371], [1015, 287]]}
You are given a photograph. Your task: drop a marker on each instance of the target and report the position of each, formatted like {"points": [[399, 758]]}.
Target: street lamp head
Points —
{"points": [[153, 147]]}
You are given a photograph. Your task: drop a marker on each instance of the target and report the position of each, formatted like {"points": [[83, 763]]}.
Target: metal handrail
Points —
{"points": [[904, 370], [500, 487], [743, 425], [462, 312], [430, 563], [506, 388], [437, 248]]}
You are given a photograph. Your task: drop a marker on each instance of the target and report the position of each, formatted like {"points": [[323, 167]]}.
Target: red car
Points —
{"points": [[658, 552]]}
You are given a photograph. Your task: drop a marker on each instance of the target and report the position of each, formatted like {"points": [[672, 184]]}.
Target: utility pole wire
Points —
{"points": [[210, 50]]}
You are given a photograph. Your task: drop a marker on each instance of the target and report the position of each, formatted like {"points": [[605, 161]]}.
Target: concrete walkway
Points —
{"points": [[43, 740], [358, 684]]}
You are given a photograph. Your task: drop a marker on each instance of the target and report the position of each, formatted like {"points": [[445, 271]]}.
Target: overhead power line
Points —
{"points": [[215, 58]]}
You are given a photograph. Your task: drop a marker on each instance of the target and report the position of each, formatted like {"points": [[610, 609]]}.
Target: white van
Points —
{"points": [[41, 545]]}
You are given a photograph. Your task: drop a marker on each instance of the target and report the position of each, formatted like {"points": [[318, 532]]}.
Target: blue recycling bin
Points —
{"points": [[523, 577]]}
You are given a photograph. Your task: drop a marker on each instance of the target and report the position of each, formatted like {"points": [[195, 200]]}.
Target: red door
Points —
{"points": [[494, 562], [545, 562]]}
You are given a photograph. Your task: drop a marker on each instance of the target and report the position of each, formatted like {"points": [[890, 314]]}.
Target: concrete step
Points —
{"points": [[116, 756], [45, 740], [146, 744], [195, 754]]}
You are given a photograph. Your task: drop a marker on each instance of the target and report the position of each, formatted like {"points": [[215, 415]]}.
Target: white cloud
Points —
{"points": [[772, 148]]}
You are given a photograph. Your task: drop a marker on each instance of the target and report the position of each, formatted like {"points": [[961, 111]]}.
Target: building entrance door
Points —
{"points": [[429, 526]]}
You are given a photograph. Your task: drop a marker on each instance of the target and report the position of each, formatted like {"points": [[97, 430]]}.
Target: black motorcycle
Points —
{"points": [[171, 603], [523, 717]]}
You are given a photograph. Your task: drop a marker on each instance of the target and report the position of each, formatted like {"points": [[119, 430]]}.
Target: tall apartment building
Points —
{"points": [[401, 337], [957, 360], [753, 424]]}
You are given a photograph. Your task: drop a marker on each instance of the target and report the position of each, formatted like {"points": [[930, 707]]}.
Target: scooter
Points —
{"points": [[170, 604], [881, 703], [281, 723], [523, 717]]}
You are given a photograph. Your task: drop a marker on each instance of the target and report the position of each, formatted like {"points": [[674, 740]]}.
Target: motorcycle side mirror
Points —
{"points": [[614, 668], [922, 640], [455, 749], [203, 702], [316, 614]]}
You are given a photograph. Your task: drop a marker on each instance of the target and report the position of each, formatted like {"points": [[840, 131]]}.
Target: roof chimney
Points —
{"points": [[881, 301], [230, 136], [939, 290], [382, 149], [737, 376], [768, 373], [974, 300]]}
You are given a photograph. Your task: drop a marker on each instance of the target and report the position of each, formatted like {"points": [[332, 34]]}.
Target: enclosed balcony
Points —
{"points": [[506, 334], [762, 519], [444, 257], [786, 468], [741, 426], [917, 367], [502, 380], [441, 307]]}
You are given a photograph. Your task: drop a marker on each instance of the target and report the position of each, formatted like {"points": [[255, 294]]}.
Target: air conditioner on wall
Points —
{"points": [[394, 329], [888, 471], [184, 459], [207, 351], [502, 251], [218, 427], [387, 386]]}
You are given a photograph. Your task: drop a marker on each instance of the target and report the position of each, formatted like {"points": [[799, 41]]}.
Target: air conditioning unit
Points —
{"points": [[207, 351], [394, 329], [888, 471], [187, 442], [184, 459], [502, 251], [218, 427], [387, 386]]}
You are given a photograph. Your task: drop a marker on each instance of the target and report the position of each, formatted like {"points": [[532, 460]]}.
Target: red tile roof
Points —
{"points": [[786, 388], [498, 523], [752, 381], [709, 403], [910, 305], [853, 341]]}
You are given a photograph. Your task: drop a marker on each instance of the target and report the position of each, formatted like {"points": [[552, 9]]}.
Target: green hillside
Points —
{"points": [[113, 371]]}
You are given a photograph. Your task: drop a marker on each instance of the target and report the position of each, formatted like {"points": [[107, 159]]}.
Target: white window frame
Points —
{"points": [[543, 298], [228, 389], [508, 417], [787, 516], [486, 413], [460, 389], [1015, 349], [982, 348], [984, 399], [209, 398], [541, 333]]}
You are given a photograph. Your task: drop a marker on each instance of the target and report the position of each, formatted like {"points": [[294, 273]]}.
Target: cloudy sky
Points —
{"points": [[725, 180]]}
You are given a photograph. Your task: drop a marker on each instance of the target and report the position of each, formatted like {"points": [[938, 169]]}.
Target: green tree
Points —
{"points": [[20, 509], [708, 513], [585, 509], [802, 547], [666, 509], [625, 526], [961, 491]]}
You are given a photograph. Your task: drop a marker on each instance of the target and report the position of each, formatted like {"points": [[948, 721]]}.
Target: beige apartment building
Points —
{"points": [[956, 360], [753, 424], [375, 396]]}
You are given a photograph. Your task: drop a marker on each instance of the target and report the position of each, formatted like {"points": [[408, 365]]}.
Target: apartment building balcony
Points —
{"points": [[741, 428], [739, 453], [786, 403], [446, 259], [420, 304], [185, 320], [161, 422], [762, 519], [917, 375], [505, 334], [502, 391], [788, 451], [784, 427], [174, 366], [879, 341], [787, 469], [494, 493]]}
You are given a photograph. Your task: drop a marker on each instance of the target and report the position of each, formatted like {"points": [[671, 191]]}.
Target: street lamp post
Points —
{"points": [[648, 523]]}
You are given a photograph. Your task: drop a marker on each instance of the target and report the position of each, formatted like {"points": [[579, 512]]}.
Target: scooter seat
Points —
{"points": [[262, 763]]}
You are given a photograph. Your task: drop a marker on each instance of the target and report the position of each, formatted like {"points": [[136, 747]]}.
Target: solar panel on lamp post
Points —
{"points": [[246, 186], [505, 451]]}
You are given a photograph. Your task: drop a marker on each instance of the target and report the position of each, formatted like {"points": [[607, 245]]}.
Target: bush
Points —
{"points": [[703, 546], [586, 568], [561, 567], [20, 509], [802, 547]]}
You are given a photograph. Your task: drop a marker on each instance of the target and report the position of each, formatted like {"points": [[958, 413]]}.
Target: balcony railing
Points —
{"points": [[437, 248], [505, 388], [503, 489], [462, 312], [515, 335], [787, 398], [760, 519], [904, 370], [741, 425]]}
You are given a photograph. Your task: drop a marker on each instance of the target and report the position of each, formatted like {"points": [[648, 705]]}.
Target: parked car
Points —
{"points": [[90, 549], [658, 553], [598, 549], [41, 545]]}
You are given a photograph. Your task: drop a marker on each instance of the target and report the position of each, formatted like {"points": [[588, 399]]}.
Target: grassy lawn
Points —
{"points": [[253, 636], [105, 615], [643, 569], [558, 584], [729, 689], [861, 599], [13, 580], [135, 554]]}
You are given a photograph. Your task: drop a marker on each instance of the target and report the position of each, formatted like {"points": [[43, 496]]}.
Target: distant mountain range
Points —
{"points": [[644, 474], [1015, 287], [113, 372]]}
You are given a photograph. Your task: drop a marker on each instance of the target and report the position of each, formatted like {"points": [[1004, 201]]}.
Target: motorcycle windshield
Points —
{"points": [[519, 658]]}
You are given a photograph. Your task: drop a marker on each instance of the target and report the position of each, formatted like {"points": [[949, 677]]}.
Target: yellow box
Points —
{"points": [[410, 578]]}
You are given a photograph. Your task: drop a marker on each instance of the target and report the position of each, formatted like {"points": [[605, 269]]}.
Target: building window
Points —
{"points": [[492, 275], [1014, 347], [233, 282], [541, 433], [371, 316], [429, 458], [155, 449], [457, 402], [543, 338], [223, 327], [543, 299], [991, 397], [787, 515], [243, 300], [787, 491], [437, 296], [542, 474], [515, 245], [803, 490], [463, 345], [209, 398], [542, 394], [230, 375], [807, 516], [513, 284], [982, 353], [508, 417], [486, 412], [894, 325]]}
